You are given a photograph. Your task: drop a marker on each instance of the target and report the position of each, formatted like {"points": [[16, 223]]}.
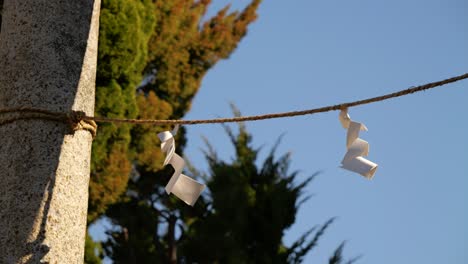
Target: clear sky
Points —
{"points": [[305, 54]]}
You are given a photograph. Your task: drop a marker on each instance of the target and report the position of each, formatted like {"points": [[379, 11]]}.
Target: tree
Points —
{"points": [[240, 219], [163, 42], [249, 210], [47, 61], [128, 179], [93, 251], [125, 29], [181, 49]]}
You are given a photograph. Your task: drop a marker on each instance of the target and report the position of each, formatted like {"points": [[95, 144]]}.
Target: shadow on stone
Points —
{"points": [[42, 50]]}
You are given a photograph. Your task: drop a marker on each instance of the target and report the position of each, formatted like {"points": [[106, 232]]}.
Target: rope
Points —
{"points": [[87, 122], [75, 119], [285, 114], [77, 122]]}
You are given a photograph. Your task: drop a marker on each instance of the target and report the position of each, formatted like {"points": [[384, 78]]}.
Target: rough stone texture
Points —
{"points": [[48, 53], [1, 9]]}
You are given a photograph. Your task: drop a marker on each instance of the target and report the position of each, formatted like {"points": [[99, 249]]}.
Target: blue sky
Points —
{"points": [[305, 54]]}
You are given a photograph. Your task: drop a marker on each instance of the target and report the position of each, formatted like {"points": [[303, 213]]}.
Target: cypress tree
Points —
{"points": [[125, 29], [163, 43], [248, 209], [152, 58]]}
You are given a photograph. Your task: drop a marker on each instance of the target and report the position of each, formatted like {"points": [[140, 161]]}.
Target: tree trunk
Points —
{"points": [[172, 251], [48, 54]]}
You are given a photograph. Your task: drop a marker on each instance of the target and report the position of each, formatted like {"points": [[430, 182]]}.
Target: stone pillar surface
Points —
{"points": [[48, 56]]}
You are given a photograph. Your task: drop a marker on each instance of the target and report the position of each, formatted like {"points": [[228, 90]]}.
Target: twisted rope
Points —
{"points": [[75, 119], [285, 114], [88, 122]]}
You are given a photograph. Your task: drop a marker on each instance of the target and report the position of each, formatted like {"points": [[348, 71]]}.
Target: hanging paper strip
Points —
{"points": [[357, 148], [182, 186]]}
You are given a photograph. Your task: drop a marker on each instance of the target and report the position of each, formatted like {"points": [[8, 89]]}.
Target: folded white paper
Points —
{"points": [[182, 186], [357, 148]]}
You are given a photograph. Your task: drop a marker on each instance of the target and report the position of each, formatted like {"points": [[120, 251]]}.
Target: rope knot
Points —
{"points": [[76, 116], [77, 121]]}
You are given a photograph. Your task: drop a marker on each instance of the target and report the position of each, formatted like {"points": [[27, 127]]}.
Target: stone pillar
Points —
{"points": [[48, 55]]}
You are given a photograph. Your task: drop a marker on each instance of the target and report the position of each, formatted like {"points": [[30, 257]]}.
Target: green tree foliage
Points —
{"points": [[241, 218], [93, 251], [250, 209], [337, 257], [181, 50], [153, 55], [152, 58], [125, 29], [166, 43]]}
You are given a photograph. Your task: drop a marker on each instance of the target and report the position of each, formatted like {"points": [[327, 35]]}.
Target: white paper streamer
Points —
{"points": [[182, 186], [357, 148]]}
